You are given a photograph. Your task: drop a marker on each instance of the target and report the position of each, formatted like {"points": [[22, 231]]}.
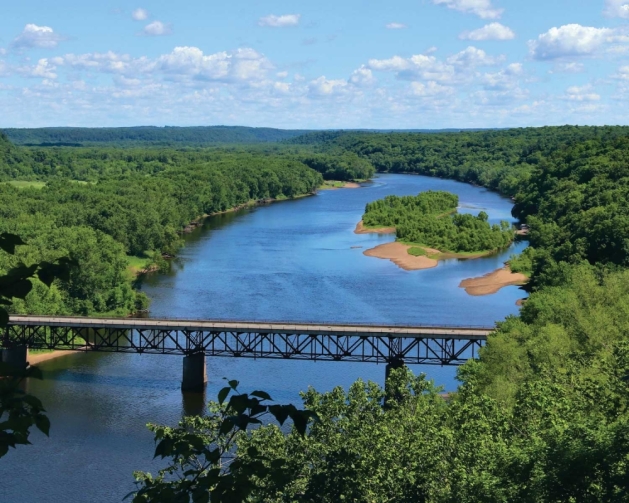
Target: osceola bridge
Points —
{"points": [[196, 339]]}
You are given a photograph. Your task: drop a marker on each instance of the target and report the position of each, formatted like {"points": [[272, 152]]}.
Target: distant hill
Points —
{"points": [[148, 135]]}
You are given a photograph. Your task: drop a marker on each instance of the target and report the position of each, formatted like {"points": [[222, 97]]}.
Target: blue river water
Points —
{"points": [[297, 260]]}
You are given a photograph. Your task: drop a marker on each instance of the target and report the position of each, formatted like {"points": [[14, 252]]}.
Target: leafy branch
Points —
{"points": [[204, 463]]}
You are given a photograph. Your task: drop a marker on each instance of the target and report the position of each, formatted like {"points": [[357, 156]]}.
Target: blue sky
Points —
{"points": [[330, 64]]}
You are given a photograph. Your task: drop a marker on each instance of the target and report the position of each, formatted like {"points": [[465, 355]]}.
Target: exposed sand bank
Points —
{"points": [[492, 282], [397, 253], [331, 185], [361, 229], [35, 358]]}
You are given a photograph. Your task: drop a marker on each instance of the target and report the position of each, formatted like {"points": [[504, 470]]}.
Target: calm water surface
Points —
{"points": [[296, 260]]}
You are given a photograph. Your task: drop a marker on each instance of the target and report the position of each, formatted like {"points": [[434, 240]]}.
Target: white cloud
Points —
{"points": [[236, 66], [323, 87], [43, 69], [473, 57], [570, 67], [362, 77], [492, 31], [481, 8], [456, 68], [34, 36], [509, 78], [157, 29], [140, 14], [430, 89], [570, 40], [583, 93], [396, 26], [617, 8], [279, 21]]}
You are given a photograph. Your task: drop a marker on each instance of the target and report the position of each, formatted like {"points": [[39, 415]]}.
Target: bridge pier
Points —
{"points": [[16, 356], [194, 373], [394, 363]]}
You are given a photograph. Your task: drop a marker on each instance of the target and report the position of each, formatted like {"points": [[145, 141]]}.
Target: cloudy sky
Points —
{"points": [[325, 64]]}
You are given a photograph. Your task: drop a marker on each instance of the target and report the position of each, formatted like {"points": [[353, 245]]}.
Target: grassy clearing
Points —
{"points": [[416, 251], [139, 264], [421, 250], [22, 184]]}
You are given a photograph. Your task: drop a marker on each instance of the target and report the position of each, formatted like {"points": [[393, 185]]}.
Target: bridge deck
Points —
{"points": [[250, 327], [299, 341]]}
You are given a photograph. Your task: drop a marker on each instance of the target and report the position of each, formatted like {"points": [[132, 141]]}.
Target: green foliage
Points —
{"points": [[416, 251], [347, 166], [147, 135], [204, 459], [430, 219], [19, 412]]}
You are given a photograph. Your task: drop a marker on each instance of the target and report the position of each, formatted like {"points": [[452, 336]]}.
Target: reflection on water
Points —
{"points": [[296, 260]]}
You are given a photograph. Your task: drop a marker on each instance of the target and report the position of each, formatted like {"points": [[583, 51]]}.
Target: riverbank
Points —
{"points": [[40, 357], [491, 283], [334, 185], [361, 229]]}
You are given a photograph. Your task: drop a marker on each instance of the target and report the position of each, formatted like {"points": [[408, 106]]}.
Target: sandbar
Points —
{"points": [[493, 282], [361, 229], [397, 253]]}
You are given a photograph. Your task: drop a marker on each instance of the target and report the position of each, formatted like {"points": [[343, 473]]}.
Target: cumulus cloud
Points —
{"points": [[157, 29], [34, 36], [473, 57], [430, 89], [583, 93], [396, 26], [568, 41], [283, 21], [43, 69], [235, 66], [508, 78], [617, 8], [427, 67], [492, 31], [570, 67], [322, 87], [362, 77], [140, 14], [481, 8]]}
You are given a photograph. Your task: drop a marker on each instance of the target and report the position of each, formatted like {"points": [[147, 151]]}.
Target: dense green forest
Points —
{"points": [[431, 219], [148, 135]]}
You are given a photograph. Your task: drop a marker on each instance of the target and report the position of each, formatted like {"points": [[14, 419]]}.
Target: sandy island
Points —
{"points": [[397, 253], [361, 229], [346, 185], [492, 282]]}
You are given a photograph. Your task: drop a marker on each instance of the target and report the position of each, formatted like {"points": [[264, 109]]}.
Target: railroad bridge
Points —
{"points": [[195, 340]]}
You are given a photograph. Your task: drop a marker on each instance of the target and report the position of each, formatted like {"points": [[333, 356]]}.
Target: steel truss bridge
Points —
{"points": [[289, 341]]}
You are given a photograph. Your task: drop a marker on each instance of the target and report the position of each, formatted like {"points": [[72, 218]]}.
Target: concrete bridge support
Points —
{"points": [[194, 373], [395, 363], [16, 356]]}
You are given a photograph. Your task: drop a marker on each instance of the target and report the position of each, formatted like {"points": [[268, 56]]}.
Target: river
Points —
{"points": [[296, 260]]}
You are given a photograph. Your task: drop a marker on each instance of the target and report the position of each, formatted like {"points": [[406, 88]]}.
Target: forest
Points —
{"points": [[541, 416], [148, 135], [430, 219]]}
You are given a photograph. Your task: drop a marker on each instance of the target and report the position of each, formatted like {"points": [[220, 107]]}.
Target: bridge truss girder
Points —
{"points": [[426, 350]]}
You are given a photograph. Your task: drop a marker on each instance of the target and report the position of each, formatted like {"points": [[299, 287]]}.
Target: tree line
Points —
{"points": [[431, 219]]}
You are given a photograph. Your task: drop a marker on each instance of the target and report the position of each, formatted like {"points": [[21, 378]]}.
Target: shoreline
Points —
{"points": [[493, 282], [335, 185], [37, 358], [361, 229]]}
